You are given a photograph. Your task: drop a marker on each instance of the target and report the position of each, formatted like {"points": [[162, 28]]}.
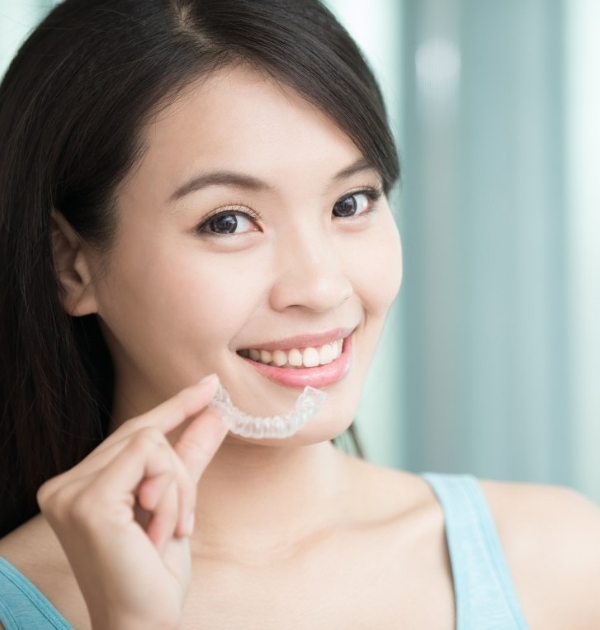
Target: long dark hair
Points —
{"points": [[73, 105]]}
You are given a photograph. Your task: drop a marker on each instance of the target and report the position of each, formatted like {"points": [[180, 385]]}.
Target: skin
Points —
{"points": [[277, 523]]}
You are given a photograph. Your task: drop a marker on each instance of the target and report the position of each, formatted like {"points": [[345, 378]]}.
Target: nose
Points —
{"points": [[309, 274]]}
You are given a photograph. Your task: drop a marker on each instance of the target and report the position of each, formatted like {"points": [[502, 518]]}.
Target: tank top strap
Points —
{"points": [[483, 588], [23, 606]]}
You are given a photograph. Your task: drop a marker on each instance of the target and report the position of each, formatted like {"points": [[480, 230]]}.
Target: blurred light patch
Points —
{"points": [[438, 64]]}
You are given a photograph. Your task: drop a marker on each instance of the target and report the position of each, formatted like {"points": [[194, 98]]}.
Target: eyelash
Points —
{"points": [[247, 213], [373, 194]]}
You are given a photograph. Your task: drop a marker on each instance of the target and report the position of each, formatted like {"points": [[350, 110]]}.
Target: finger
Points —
{"points": [[151, 490], [164, 519], [146, 454], [92, 499], [99, 458], [186, 404], [199, 442], [195, 448]]}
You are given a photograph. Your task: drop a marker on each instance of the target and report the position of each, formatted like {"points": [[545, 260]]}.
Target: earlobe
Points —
{"points": [[72, 267]]}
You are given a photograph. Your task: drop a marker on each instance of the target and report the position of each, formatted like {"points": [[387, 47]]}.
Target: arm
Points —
{"points": [[551, 537]]}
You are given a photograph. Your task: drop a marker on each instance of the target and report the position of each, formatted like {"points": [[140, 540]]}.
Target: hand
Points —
{"points": [[124, 513]]}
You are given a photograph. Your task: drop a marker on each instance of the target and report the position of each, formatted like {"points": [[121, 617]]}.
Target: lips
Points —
{"points": [[320, 375]]}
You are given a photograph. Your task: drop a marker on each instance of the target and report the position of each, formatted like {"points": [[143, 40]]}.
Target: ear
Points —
{"points": [[73, 268]]}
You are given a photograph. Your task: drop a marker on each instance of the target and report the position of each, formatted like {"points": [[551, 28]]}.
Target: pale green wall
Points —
{"points": [[484, 229]]}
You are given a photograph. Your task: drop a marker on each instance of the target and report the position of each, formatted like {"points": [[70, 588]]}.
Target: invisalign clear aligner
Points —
{"points": [[308, 404]]}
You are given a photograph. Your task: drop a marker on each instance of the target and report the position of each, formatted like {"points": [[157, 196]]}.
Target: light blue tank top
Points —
{"points": [[484, 593], [483, 589]]}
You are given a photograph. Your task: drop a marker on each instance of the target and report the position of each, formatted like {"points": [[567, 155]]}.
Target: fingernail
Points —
{"points": [[211, 378]]}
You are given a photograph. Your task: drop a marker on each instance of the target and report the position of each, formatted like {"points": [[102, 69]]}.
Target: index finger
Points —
{"points": [[185, 404], [199, 442]]}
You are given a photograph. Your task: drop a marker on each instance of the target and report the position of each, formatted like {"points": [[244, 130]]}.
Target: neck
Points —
{"points": [[268, 500]]}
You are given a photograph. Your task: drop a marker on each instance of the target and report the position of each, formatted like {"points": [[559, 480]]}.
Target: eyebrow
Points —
{"points": [[243, 180]]}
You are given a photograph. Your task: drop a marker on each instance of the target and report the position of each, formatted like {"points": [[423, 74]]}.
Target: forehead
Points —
{"points": [[239, 119]]}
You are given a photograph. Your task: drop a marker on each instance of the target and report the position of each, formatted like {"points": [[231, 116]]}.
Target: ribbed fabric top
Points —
{"points": [[484, 592], [483, 588]]}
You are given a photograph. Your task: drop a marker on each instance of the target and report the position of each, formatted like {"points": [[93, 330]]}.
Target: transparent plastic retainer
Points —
{"points": [[308, 405]]}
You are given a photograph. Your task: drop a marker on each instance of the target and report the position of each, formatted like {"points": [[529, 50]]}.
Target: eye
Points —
{"points": [[358, 203], [228, 222]]}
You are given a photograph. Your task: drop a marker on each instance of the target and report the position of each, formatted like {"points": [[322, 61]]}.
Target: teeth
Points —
{"points": [[308, 357], [326, 354], [265, 356], [279, 358], [295, 358]]}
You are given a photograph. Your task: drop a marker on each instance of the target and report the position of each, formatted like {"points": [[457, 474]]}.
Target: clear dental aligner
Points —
{"points": [[308, 404]]}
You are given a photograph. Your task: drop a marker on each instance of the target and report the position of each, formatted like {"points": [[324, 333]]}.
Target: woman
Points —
{"points": [[193, 192]]}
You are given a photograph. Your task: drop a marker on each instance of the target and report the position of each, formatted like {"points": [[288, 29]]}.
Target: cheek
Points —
{"points": [[375, 266], [173, 313], [219, 295]]}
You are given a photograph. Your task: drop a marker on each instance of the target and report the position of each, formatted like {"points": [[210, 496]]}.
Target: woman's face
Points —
{"points": [[297, 250]]}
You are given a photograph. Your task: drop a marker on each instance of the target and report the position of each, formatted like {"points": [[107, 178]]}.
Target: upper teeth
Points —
{"points": [[307, 357]]}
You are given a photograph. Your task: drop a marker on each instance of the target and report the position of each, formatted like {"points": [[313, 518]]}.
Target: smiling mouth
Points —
{"points": [[297, 357]]}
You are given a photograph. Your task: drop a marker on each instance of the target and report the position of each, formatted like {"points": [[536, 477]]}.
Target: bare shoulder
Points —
{"points": [[33, 550], [389, 489], [551, 538], [26, 546]]}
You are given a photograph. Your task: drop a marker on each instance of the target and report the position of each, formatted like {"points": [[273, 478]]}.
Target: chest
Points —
{"points": [[351, 585], [384, 577]]}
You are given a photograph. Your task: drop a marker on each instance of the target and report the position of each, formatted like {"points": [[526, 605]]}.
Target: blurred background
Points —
{"points": [[490, 361]]}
